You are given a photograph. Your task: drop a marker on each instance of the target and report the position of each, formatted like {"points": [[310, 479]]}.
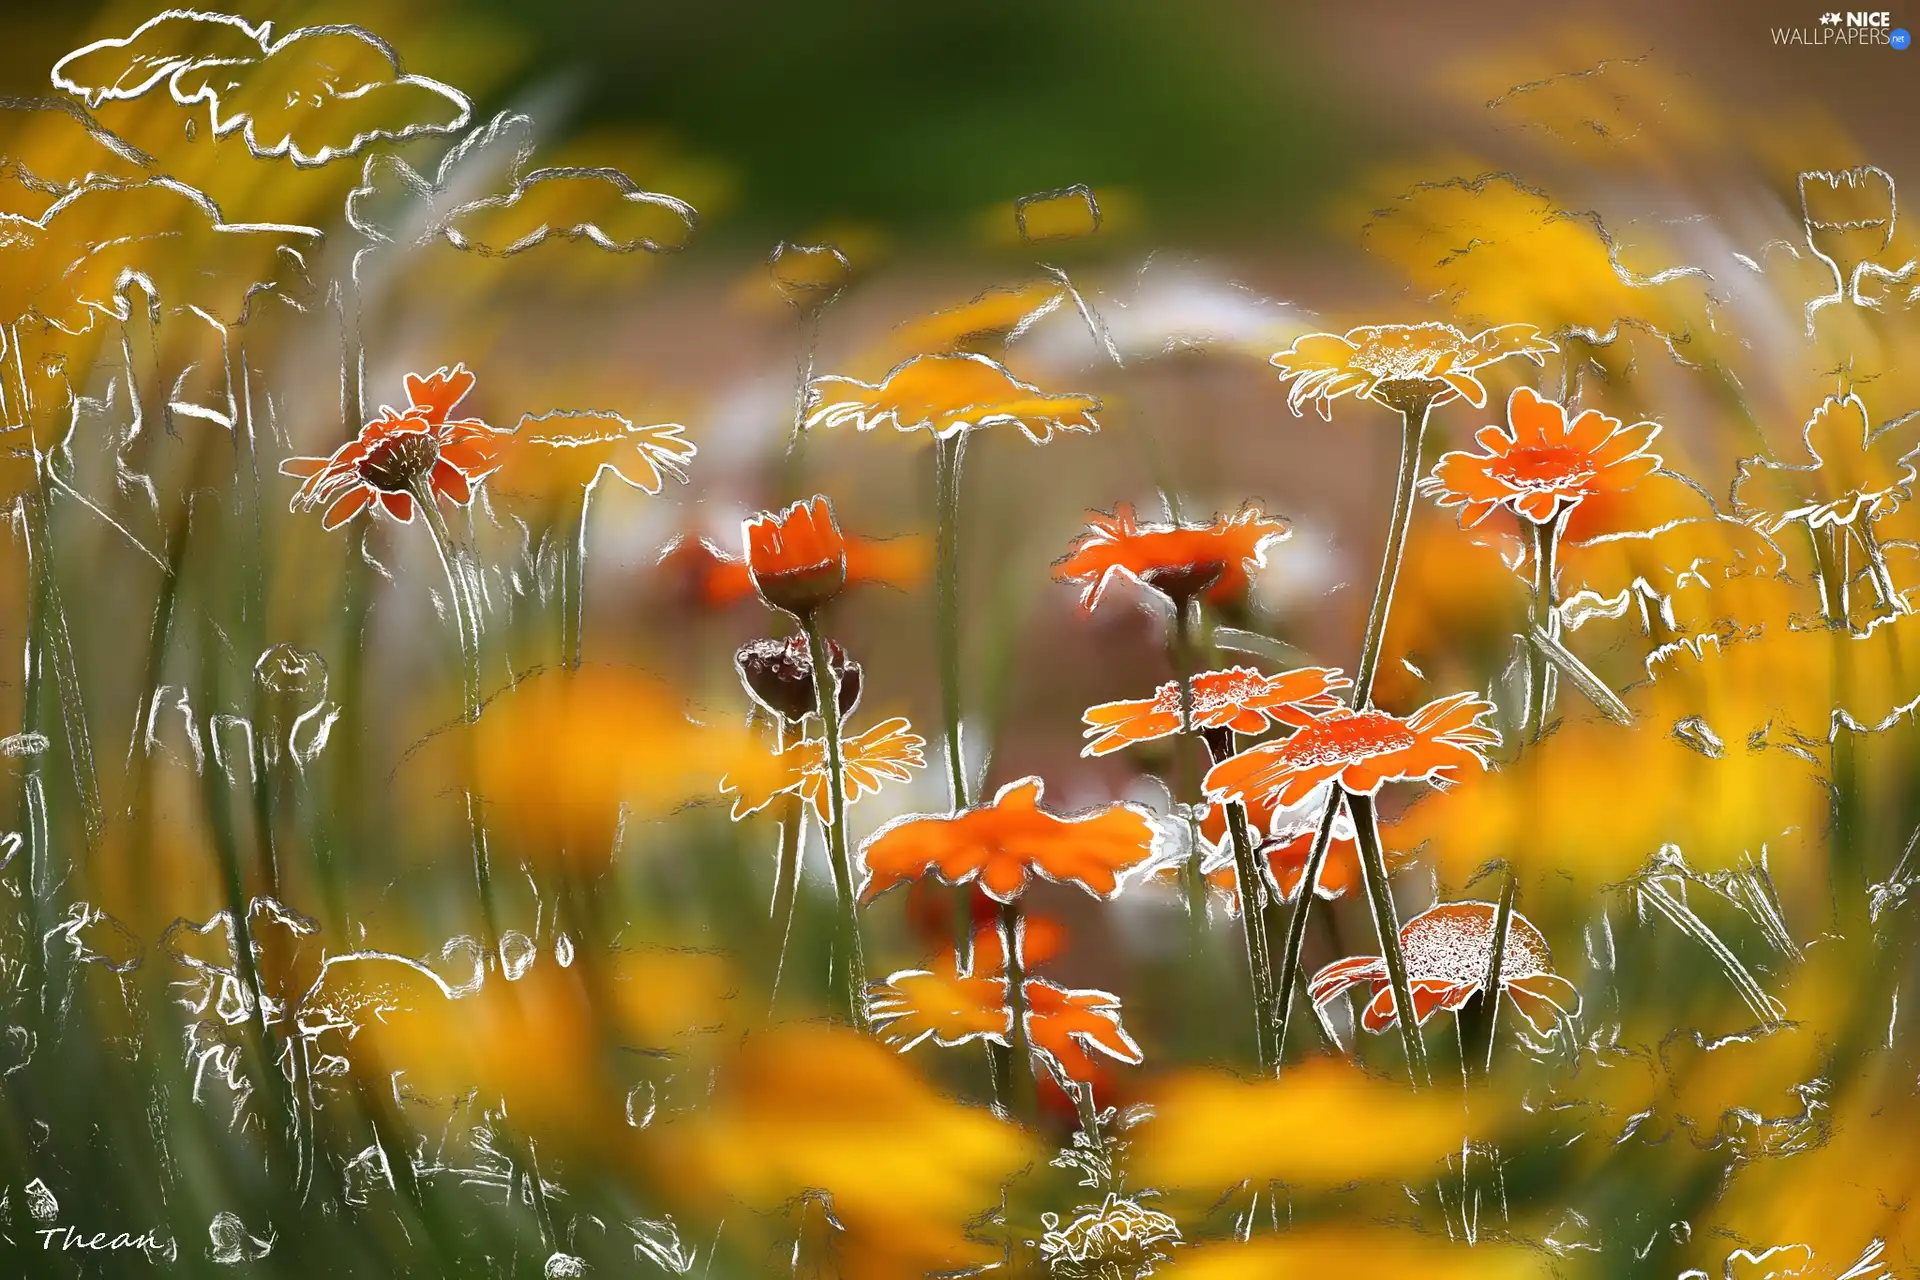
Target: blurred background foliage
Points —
{"points": [[597, 1062]]}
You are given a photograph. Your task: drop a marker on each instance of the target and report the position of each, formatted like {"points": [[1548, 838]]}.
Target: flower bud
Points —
{"points": [[778, 674]]}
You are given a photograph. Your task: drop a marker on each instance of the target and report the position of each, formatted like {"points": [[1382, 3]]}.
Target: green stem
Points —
{"points": [[1480, 1016], [573, 588], [1413, 426], [786, 876], [1297, 925], [1833, 587], [465, 619], [1386, 923], [1186, 786], [1545, 617], [1253, 922], [826, 688], [949, 452], [1020, 1075]]}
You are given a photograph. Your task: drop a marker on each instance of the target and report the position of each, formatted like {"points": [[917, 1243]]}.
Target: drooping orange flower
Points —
{"points": [[1398, 364], [1360, 750], [402, 453], [948, 394], [1286, 842], [1448, 948], [1239, 698], [1180, 561], [952, 1008], [1540, 465], [888, 752], [719, 580], [797, 558], [1002, 843]]}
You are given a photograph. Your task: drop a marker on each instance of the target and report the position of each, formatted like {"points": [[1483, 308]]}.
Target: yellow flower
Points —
{"points": [[1856, 472], [1400, 363], [566, 451], [947, 395], [888, 752], [1323, 1123], [1331, 1250], [820, 1109], [995, 317]]}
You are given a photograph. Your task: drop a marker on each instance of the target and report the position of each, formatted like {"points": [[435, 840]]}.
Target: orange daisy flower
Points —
{"points": [[1360, 750], [1448, 948], [1541, 465], [948, 394], [421, 449], [1000, 844], [1397, 364], [797, 558], [1238, 699], [719, 580], [888, 752], [1287, 845], [952, 1008], [1180, 561]]}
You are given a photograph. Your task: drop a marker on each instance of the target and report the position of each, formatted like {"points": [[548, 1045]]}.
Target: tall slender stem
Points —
{"points": [[1253, 923], [1297, 926], [949, 452], [1545, 617], [1386, 922], [1188, 786], [1480, 1017], [1414, 408], [1413, 427], [466, 623], [1020, 1076], [826, 687], [786, 875], [573, 585]]}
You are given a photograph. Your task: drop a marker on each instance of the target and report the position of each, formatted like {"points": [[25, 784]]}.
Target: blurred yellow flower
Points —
{"points": [[994, 318], [1857, 473], [948, 394], [1333, 1250], [609, 738], [564, 452], [822, 1110], [1323, 1123]]}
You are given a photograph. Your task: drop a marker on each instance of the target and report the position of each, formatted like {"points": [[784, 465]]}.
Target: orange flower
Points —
{"points": [[1540, 465], [1361, 750], [1000, 844], [719, 580], [1448, 948], [1240, 699], [888, 752], [953, 1008], [1287, 845], [1397, 364], [1180, 561], [400, 454], [797, 558], [948, 394]]}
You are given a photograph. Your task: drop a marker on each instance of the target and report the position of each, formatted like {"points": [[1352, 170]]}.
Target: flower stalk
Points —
{"points": [[1414, 406], [1386, 922], [848, 964]]}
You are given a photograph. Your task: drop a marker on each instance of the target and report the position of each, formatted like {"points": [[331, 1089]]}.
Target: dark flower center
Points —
{"points": [[400, 462]]}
